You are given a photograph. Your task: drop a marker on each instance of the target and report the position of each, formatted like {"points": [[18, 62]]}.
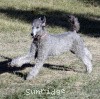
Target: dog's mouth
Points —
{"points": [[34, 36]]}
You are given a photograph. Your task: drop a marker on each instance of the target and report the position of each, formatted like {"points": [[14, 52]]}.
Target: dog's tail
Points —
{"points": [[74, 24]]}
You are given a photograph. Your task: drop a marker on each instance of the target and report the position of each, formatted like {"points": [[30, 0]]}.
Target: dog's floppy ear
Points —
{"points": [[44, 21]]}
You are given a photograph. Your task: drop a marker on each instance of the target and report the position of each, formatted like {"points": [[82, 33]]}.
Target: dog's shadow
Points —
{"points": [[5, 68]]}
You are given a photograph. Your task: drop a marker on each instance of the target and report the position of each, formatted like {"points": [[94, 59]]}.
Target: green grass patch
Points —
{"points": [[16, 18]]}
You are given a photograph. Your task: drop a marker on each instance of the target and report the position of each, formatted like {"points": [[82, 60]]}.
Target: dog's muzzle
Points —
{"points": [[32, 35]]}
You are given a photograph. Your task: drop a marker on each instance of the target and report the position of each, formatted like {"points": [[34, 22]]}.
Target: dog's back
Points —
{"points": [[61, 42]]}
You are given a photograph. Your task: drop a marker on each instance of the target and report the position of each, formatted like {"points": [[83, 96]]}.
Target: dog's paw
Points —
{"points": [[32, 74], [29, 77], [15, 62], [11, 64], [89, 71]]}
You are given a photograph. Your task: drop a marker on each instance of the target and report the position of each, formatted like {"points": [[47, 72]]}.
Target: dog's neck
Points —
{"points": [[43, 36]]}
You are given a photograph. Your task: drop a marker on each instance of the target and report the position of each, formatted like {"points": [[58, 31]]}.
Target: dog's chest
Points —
{"points": [[38, 42]]}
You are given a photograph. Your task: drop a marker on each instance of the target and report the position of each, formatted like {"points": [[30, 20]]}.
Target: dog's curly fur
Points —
{"points": [[45, 44], [73, 23]]}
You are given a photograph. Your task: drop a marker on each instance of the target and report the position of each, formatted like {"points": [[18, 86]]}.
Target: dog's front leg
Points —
{"points": [[42, 55], [35, 70], [19, 61]]}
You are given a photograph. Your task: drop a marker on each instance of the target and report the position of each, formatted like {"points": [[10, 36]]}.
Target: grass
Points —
{"points": [[62, 77]]}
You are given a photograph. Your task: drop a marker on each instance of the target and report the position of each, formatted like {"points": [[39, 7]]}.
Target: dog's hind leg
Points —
{"points": [[87, 63], [86, 60], [83, 53], [88, 54], [19, 61]]}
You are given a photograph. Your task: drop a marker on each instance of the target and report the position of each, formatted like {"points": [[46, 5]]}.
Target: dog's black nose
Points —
{"points": [[31, 34]]}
